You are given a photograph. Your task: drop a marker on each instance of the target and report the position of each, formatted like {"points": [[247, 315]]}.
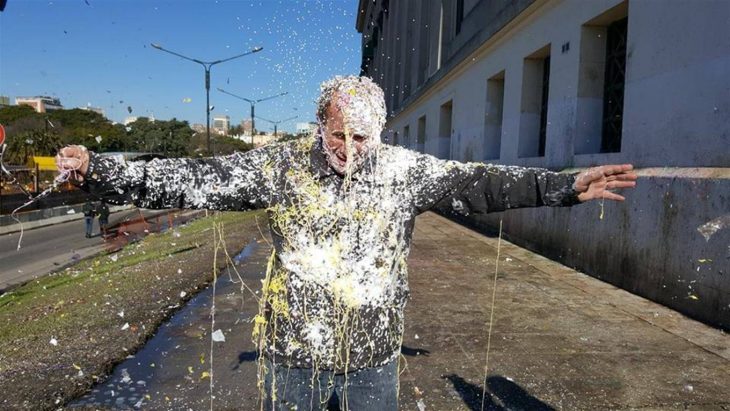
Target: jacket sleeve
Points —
{"points": [[482, 188], [241, 181]]}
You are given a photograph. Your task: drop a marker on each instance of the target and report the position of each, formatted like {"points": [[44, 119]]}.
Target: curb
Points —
{"points": [[75, 215]]}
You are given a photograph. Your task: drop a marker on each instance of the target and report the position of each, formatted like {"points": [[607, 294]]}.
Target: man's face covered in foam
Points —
{"points": [[351, 125], [346, 148]]}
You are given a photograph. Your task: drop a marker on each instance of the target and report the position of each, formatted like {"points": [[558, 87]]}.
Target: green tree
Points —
{"points": [[77, 126], [170, 138], [22, 146], [10, 114], [223, 145]]}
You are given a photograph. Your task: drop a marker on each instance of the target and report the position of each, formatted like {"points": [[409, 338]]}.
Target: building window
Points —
{"points": [[421, 136], [459, 16], [544, 104], [407, 137], [445, 131], [424, 41], [493, 117], [440, 42], [615, 78], [601, 81], [534, 104], [395, 138]]}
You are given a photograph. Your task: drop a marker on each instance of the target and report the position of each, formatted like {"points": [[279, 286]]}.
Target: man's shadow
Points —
{"points": [[245, 356], [412, 352], [510, 395]]}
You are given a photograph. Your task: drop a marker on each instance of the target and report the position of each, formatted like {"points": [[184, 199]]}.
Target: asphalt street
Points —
{"points": [[45, 249]]}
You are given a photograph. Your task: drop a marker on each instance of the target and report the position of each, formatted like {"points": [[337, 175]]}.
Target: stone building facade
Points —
{"points": [[568, 84]]}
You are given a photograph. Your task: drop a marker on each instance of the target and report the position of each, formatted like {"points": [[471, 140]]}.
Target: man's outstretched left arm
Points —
{"points": [[481, 188]]}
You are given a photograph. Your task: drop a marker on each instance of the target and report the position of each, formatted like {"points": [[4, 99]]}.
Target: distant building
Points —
{"points": [[130, 119], [4, 101], [260, 140], [94, 109], [221, 124], [246, 126], [306, 128], [198, 128], [567, 84], [40, 104]]}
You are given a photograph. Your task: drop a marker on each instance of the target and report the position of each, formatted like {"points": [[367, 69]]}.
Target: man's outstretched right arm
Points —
{"points": [[235, 182]]}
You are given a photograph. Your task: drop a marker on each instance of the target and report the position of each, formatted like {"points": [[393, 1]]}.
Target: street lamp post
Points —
{"points": [[276, 123], [253, 106], [207, 65]]}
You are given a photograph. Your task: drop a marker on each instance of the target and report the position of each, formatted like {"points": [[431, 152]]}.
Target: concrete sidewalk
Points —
{"points": [[560, 339]]}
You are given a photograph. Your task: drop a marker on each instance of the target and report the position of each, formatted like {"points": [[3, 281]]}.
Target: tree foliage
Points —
{"points": [[44, 133], [170, 138], [223, 145], [25, 144]]}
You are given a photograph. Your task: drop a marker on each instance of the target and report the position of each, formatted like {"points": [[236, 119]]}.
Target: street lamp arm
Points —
{"points": [[269, 98], [254, 50], [158, 47], [238, 97], [277, 122], [266, 120]]}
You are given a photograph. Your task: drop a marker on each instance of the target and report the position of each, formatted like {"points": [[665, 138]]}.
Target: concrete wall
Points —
{"points": [[651, 245], [676, 111]]}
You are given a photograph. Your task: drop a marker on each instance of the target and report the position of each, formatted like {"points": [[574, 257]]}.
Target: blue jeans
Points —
{"points": [[369, 389], [102, 226], [89, 225]]}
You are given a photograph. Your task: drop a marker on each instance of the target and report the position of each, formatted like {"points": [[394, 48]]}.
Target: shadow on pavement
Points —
{"points": [[246, 356], [510, 395], [412, 352]]}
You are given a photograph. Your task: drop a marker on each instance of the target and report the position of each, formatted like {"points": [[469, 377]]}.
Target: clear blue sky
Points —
{"points": [[98, 52]]}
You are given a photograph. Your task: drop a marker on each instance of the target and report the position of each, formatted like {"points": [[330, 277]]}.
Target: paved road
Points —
{"points": [[50, 248]]}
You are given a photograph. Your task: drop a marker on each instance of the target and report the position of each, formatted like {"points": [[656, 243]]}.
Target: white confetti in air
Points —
{"points": [[125, 326], [53, 342], [71, 211], [114, 257], [98, 139], [183, 294], [121, 314], [179, 270], [218, 336], [421, 405], [417, 337]]}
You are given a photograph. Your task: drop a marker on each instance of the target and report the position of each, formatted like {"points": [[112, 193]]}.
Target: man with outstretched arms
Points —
{"points": [[341, 209]]}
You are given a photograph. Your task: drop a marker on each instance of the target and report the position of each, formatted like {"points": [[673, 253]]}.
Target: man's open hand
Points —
{"points": [[597, 182], [75, 158]]}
